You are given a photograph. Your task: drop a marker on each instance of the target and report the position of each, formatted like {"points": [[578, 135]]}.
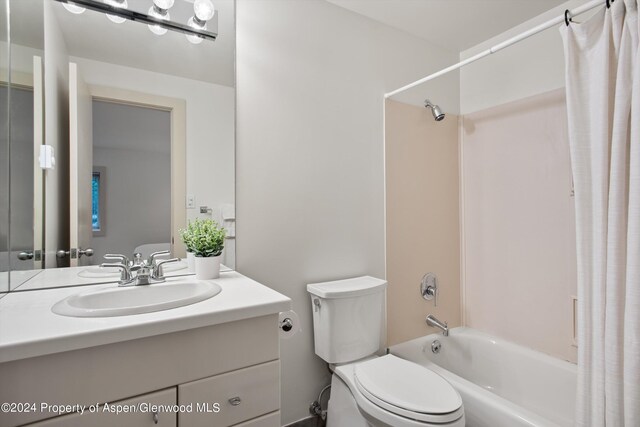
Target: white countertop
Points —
{"points": [[29, 328]]}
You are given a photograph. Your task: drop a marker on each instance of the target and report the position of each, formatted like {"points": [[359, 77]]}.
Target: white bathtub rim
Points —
{"points": [[410, 349], [518, 348], [486, 397]]}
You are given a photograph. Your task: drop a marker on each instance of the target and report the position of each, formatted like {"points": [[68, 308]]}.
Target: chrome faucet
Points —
{"points": [[146, 271], [117, 257], [125, 272], [157, 275], [150, 261], [432, 321]]}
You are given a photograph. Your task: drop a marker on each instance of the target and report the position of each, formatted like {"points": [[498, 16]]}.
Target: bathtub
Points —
{"points": [[501, 384]]}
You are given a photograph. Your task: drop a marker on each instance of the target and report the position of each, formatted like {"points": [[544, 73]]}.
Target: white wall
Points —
{"points": [[533, 66], [210, 125], [56, 127], [21, 59], [133, 145], [310, 180]]}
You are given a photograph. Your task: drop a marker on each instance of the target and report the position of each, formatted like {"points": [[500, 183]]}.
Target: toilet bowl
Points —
{"points": [[368, 390]]}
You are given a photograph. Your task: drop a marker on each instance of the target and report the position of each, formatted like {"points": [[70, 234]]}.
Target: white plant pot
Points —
{"points": [[191, 262], [207, 267]]}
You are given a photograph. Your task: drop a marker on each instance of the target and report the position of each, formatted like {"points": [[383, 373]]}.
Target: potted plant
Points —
{"points": [[185, 235], [206, 240]]}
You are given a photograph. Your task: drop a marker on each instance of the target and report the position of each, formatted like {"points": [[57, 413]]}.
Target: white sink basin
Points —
{"points": [[121, 301]]}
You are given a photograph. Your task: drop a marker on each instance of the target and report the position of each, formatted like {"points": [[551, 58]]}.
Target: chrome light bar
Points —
{"points": [[132, 15]]}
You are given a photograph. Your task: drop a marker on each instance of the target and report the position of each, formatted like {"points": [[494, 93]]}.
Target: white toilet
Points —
{"points": [[367, 390]]}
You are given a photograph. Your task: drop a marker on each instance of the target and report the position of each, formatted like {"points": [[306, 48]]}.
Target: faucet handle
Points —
{"points": [[429, 288], [117, 257], [155, 255], [125, 272], [157, 273]]}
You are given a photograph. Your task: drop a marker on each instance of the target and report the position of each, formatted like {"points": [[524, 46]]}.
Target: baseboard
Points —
{"points": [[307, 422]]}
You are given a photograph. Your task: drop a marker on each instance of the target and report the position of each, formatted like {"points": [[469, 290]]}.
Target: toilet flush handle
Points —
{"points": [[316, 304]]}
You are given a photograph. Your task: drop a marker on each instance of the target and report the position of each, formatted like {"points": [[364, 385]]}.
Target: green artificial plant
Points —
{"points": [[203, 237]]}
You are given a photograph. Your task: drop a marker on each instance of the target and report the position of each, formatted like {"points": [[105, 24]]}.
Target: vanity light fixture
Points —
{"points": [[160, 10], [77, 10], [193, 23], [203, 11], [157, 19], [119, 4]]}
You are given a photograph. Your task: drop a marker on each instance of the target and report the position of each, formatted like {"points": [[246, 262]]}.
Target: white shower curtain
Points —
{"points": [[603, 105]]}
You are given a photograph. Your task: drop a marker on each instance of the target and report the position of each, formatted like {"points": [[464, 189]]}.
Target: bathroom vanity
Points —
{"points": [[213, 363]]}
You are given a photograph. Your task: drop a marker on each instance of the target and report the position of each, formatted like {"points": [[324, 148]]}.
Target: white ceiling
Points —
{"points": [[455, 25], [91, 35]]}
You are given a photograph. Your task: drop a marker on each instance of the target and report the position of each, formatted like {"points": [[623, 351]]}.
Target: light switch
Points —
{"points": [[47, 157], [191, 201]]}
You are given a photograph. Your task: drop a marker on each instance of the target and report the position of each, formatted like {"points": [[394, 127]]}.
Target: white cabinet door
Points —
{"points": [[142, 417], [240, 395]]}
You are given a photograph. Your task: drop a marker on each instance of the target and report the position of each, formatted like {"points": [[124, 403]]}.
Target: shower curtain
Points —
{"points": [[603, 106]]}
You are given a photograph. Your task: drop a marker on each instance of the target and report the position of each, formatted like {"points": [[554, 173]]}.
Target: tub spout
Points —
{"points": [[432, 321]]}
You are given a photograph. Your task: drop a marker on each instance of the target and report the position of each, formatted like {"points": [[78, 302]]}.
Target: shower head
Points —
{"points": [[435, 110]]}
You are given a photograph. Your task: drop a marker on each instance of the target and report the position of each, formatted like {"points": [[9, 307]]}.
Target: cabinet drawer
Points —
{"points": [[269, 420], [243, 394], [132, 419]]}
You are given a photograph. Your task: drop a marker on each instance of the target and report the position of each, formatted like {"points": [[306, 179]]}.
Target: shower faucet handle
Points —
{"points": [[429, 288]]}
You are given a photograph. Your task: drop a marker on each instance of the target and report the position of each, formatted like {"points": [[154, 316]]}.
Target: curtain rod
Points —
{"points": [[524, 35]]}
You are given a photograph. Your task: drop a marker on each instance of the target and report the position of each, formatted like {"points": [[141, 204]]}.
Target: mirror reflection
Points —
{"points": [[119, 133]]}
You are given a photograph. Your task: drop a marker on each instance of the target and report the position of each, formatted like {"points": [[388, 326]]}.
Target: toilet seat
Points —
{"points": [[408, 390]]}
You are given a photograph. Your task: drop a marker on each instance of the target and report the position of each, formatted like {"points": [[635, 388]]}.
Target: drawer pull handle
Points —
{"points": [[155, 417], [235, 401]]}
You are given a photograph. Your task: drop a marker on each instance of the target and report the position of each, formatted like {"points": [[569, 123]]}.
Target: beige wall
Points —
{"points": [[422, 201], [518, 221]]}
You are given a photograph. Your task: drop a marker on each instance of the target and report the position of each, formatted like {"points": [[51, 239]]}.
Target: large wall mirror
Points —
{"points": [[114, 133]]}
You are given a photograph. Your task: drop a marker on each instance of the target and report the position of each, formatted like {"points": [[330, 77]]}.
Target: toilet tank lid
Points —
{"points": [[347, 288]]}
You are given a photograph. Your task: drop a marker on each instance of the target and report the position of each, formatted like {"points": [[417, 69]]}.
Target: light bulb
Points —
{"points": [[164, 4], [194, 24], [203, 9], [73, 8], [194, 39], [120, 4], [157, 13]]}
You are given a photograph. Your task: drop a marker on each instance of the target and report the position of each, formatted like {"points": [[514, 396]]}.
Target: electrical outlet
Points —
{"points": [[191, 201]]}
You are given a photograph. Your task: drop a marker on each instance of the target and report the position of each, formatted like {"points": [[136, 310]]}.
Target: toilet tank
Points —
{"points": [[348, 317]]}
